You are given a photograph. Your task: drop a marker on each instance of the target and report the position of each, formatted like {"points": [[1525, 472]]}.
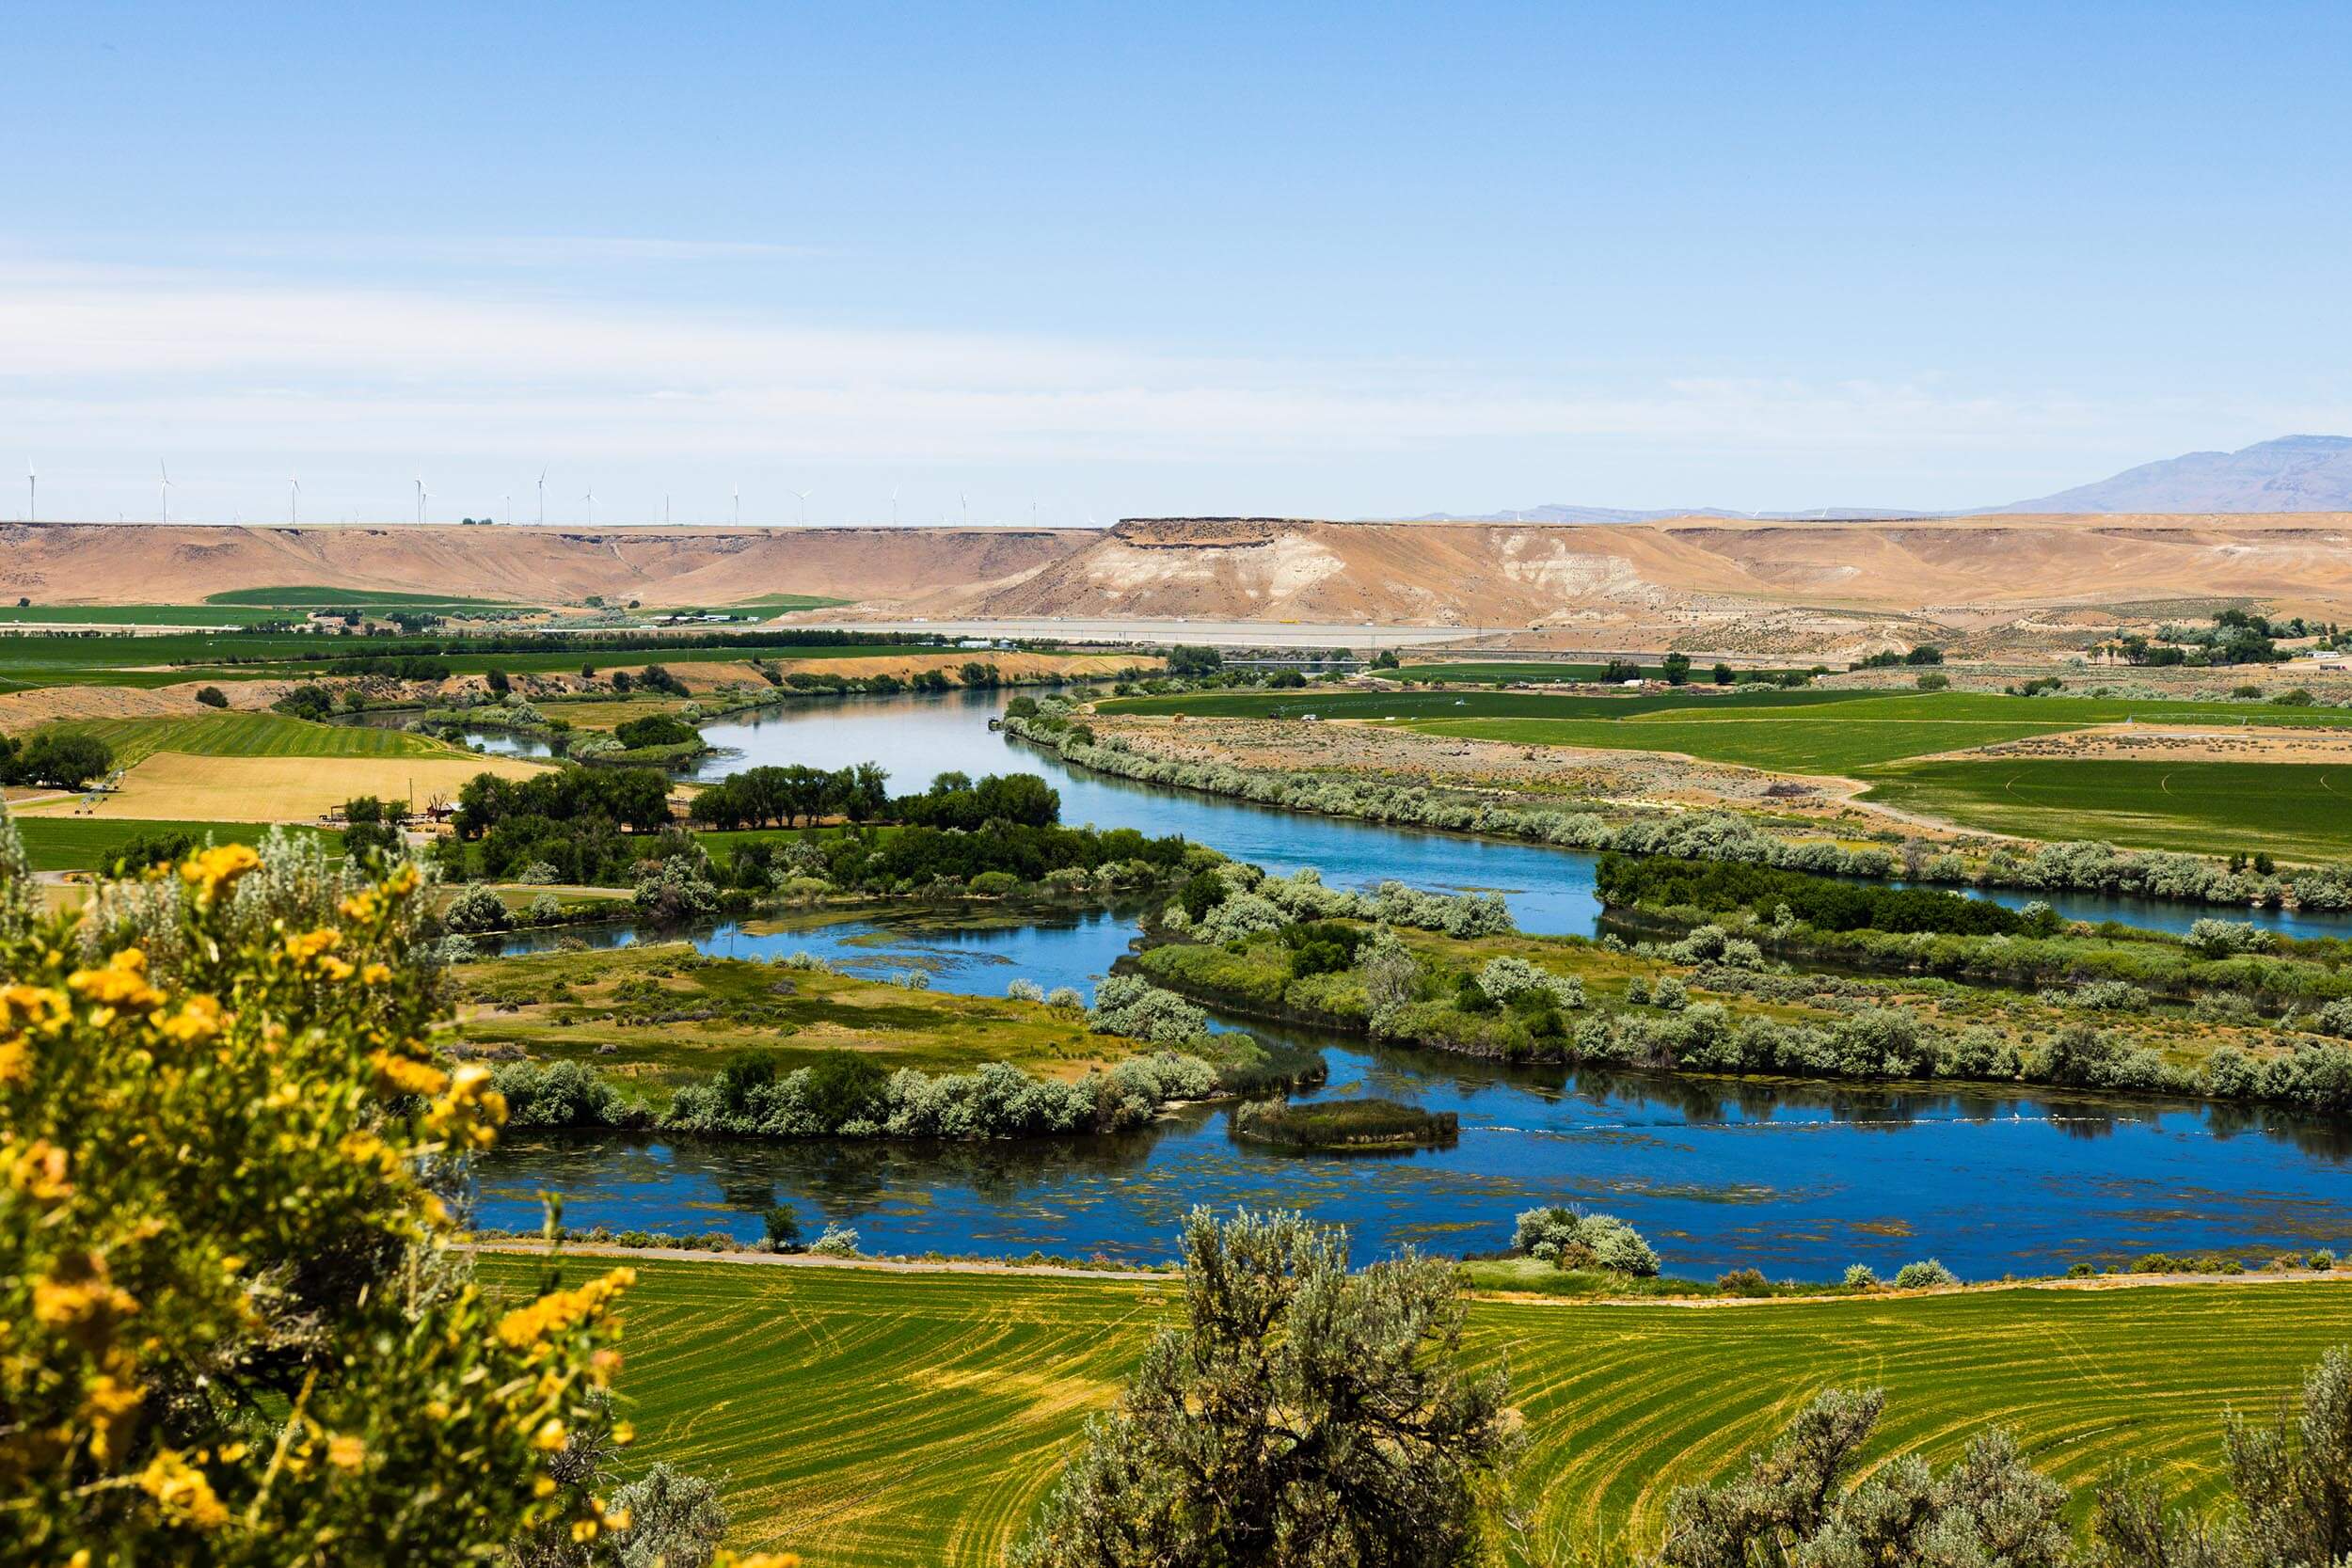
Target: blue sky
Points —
{"points": [[1116, 260]]}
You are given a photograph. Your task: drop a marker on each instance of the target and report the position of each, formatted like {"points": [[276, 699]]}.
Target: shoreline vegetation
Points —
{"points": [[2085, 867], [1344, 1126], [717, 1247], [1288, 950]]}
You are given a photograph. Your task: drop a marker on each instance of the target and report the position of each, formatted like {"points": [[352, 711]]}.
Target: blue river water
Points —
{"points": [[1797, 1179]]}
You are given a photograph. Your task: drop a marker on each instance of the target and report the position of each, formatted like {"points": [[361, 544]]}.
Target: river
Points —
{"points": [[1792, 1179]]}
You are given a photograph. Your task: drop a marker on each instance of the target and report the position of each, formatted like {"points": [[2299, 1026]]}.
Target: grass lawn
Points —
{"points": [[2295, 811], [874, 1420], [572, 1005], [89, 843], [251, 734]]}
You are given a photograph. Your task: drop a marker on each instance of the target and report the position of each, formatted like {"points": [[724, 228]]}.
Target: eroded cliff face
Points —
{"points": [[1491, 574]]}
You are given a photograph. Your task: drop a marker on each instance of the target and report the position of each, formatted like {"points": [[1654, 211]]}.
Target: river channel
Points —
{"points": [[1793, 1179]]}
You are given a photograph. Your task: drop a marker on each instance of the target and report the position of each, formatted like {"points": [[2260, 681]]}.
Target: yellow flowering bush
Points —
{"points": [[233, 1328]]}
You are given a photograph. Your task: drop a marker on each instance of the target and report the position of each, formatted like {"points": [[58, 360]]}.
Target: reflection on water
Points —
{"points": [[1792, 1179], [1548, 890]]}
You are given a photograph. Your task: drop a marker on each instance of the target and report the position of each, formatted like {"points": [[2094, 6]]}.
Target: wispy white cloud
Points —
{"points": [[116, 359]]}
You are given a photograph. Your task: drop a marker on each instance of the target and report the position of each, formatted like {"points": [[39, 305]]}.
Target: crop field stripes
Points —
{"points": [[868, 1418], [250, 734]]}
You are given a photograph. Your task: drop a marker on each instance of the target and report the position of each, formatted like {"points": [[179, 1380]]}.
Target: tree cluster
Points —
{"points": [[64, 759], [770, 797]]}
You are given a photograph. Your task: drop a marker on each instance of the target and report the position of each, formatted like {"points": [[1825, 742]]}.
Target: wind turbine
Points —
{"points": [[666, 509], [739, 506], [542, 494], [804, 495], [32, 494], [894, 506], [966, 502], [592, 508], [294, 499], [165, 470], [419, 482]]}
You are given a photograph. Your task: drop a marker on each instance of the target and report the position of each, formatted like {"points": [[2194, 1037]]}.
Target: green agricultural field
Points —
{"points": [[229, 654], [1348, 703], [316, 596], [1488, 672], [250, 734], [134, 616], [1850, 738], [1845, 732], [90, 844], [780, 603], [876, 1420], [2294, 811]]}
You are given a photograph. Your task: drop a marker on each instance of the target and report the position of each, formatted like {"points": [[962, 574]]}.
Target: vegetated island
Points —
{"points": [[1345, 1124]]}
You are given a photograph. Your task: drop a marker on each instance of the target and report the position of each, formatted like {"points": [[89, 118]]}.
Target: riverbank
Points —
{"points": [[1016, 1269], [1130, 752]]}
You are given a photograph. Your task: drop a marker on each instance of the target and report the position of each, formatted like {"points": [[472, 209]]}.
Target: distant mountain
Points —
{"points": [[2294, 473]]}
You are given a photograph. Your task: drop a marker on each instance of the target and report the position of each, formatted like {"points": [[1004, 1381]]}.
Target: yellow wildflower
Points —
{"points": [[212, 870], [345, 1452], [103, 1407], [376, 975], [549, 1436], [186, 1493], [31, 1007], [78, 1292], [310, 944], [197, 1020], [121, 984], [473, 1112], [397, 1074], [38, 1171], [614, 1518], [583, 1531], [558, 1310]]}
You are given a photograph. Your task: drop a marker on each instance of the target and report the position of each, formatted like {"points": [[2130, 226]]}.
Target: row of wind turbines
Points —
{"points": [[294, 499]]}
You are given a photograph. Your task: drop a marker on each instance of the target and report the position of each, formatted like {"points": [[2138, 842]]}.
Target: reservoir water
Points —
{"points": [[1794, 1178]]}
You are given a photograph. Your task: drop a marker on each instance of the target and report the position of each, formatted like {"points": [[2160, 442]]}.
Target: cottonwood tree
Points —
{"points": [[1302, 1415], [1794, 1507]]}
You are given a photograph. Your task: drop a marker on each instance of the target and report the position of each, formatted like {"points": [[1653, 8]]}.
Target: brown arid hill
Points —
{"points": [[1687, 576], [115, 564], [1694, 583]]}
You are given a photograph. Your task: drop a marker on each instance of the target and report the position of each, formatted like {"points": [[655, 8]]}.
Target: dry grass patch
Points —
{"points": [[173, 785]]}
